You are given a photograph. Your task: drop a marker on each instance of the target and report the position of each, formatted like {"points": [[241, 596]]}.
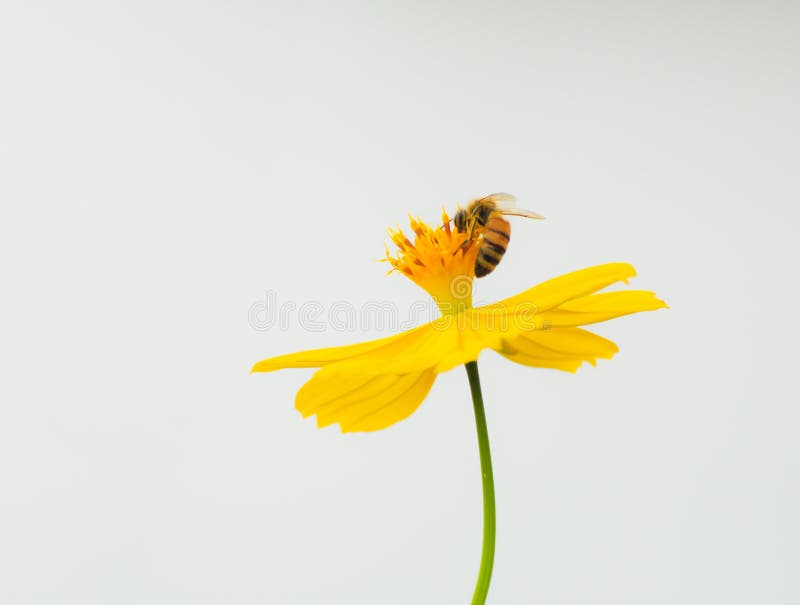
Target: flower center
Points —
{"points": [[437, 261]]}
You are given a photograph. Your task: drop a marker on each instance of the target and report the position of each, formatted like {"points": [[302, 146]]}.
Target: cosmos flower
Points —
{"points": [[372, 385]]}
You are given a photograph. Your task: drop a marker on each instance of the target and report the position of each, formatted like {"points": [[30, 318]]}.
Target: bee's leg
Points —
{"points": [[467, 241]]}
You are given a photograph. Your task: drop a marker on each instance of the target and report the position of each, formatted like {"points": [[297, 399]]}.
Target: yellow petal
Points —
{"points": [[559, 348], [573, 342], [445, 343], [360, 402], [317, 358], [568, 364], [601, 307], [456, 339], [555, 292]]}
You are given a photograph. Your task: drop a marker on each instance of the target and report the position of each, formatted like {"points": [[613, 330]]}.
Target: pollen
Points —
{"points": [[438, 260]]}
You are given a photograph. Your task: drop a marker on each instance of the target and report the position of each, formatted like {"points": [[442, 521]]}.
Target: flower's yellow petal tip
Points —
{"points": [[263, 366], [627, 272], [621, 268], [655, 302]]}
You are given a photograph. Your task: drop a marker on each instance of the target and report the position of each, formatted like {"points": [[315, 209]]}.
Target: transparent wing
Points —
{"points": [[507, 205], [501, 200], [521, 212]]}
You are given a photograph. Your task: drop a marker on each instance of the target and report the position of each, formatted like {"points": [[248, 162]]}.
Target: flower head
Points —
{"points": [[438, 261], [371, 385]]}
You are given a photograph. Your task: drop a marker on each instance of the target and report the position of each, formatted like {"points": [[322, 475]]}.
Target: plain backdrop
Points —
{"points": [[167, 167]]}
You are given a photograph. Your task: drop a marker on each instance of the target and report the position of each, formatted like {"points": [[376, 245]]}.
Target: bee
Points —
{"points": [[483, 219]]}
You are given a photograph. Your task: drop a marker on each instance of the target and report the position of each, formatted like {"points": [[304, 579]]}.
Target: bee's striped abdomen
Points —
{"points": [[493, 245]]}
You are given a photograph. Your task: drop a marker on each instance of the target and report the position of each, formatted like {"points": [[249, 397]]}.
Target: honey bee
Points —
{"points": [[483, 219]]}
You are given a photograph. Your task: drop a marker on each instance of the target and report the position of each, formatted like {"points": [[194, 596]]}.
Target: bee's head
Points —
{"points": [[460, 220]]}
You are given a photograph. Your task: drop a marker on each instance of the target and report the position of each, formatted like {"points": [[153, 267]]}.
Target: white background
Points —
{"points": [[165, 165]]}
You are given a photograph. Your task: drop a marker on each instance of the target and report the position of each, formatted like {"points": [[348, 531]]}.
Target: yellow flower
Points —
{"points": [[371, 385]]}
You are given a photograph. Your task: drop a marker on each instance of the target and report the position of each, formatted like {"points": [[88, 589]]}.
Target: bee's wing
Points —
{"points": [[501, 200], [507, 204], [521, 212]]}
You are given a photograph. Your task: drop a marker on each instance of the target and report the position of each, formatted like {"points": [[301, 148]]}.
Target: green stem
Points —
{"points": [[487, 555]]}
